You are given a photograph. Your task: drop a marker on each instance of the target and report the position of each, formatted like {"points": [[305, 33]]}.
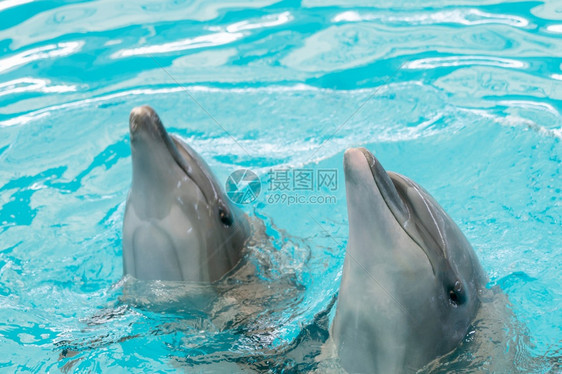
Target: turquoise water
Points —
{"points": [[462, 96]]}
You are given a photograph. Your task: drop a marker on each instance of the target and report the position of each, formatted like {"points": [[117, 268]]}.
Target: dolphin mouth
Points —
{"points": [[383, 183], [387, 188]]}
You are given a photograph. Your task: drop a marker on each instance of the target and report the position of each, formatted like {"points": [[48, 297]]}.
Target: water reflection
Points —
{"points": [[6, 4], [437, 62], [467, 17], [204, 41], [29, 84], [267, 21], [228, 35], [555, 29], [40, 53]]}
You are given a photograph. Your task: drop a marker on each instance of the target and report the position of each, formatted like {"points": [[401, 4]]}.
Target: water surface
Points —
{"points": [[462, 96]]}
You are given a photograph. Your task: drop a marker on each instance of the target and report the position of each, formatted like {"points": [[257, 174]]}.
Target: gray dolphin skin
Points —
{"points": [[179, 225], [411, 280]]}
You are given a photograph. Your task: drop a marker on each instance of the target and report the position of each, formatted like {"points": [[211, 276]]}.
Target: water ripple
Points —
{"points": [[41, 113], [40, 53], [302, 107], [29, 84], [267, 21], [462, 96], [114, 15], [556, 29], [204, 41], [437, 62], [494, 83], [467, 17], [404, 4], [346, 46], [6, 4], [227, 35]]}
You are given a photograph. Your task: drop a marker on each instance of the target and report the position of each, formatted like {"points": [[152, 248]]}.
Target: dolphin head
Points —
{"points": [[178, 223], [410, 283]]}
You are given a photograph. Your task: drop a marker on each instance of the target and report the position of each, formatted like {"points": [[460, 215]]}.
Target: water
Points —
{"points": [[463, 97]]}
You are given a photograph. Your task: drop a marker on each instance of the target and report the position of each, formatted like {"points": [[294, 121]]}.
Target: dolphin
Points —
{"points": [[178, 224], [411, 280]]}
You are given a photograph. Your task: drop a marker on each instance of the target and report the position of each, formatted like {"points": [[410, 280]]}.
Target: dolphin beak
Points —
{"points": [[146, 129], [353, 158], [144, 120]]}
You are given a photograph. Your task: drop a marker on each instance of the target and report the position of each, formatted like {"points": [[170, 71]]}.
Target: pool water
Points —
{"points": [[462, 96]]}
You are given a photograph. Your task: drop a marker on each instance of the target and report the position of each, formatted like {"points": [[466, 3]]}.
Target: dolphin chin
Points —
{"points": [[410, 282], [178, 224]]}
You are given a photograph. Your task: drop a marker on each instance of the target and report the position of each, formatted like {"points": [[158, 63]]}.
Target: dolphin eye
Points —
{"points": [[225, 216], [456, 294]]}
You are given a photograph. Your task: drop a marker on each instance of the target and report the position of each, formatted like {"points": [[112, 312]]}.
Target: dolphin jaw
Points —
{"points": [[383, 182], [354, 160], [367, 203]]}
